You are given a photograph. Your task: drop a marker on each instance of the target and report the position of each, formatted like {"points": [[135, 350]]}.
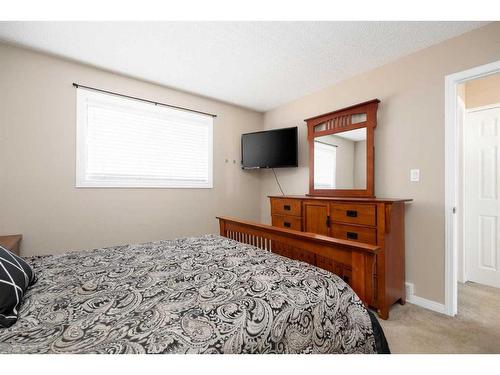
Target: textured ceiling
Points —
{"points": [[259, 65]]}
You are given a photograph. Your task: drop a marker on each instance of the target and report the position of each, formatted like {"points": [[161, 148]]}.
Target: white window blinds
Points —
{"points": [[324, 165], [123, 142]]}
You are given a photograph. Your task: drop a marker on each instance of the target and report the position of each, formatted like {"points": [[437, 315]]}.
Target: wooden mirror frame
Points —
{"points": [[341, 121]]}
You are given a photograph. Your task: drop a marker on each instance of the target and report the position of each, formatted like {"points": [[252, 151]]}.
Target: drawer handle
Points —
{"points": [[351, 213], [287, 225], [352, 235], [287, 207]]}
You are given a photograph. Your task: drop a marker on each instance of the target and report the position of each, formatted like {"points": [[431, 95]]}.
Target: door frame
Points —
{"points": [[483, 107], [453, 139]]}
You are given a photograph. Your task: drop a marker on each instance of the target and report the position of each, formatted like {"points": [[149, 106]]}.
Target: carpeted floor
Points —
{"points": [[476, 328]]}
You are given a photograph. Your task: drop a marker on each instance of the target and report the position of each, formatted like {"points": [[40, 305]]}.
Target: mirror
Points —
{"points": [[340, 160], [342, 151]]}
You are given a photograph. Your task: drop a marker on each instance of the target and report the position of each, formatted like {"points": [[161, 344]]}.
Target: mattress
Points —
{"points": [[207, 294]]}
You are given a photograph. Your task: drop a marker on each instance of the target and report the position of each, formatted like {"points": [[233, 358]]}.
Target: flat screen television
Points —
{"points": [[269, 149]]}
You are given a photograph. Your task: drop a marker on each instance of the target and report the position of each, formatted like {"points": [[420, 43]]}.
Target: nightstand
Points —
{"points": [[12, 243]]}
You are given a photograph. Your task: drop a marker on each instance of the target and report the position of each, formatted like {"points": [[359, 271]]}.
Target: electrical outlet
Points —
{"points": [[414, 175]]}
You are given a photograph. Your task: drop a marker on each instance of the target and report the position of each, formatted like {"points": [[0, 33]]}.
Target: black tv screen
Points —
{"points": [[269, 149]]}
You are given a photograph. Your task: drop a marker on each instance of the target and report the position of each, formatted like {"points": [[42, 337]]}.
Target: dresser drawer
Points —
{"points": [[355, 233], [286, 206], [365, 214], [287, 222]]}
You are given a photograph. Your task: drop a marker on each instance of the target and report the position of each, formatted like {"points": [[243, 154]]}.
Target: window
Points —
{"points": [[324, 165], [124, 142]]}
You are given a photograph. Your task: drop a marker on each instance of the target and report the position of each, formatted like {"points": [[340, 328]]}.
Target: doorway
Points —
{"points": [[480, 168], [472, 180]]}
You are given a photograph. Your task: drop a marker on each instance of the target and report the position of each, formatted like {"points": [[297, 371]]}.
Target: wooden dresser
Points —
{"points": [[368, 220]]}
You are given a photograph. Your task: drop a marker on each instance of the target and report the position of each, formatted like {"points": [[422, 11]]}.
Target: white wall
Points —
{"points": [[483, 91], [38, 197]]}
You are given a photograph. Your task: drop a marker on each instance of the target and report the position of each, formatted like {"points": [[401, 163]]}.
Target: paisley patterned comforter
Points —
{"points": [[193, 295]]}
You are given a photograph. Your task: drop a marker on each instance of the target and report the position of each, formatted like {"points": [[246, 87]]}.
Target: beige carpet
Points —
{"points": [[476, 328]]}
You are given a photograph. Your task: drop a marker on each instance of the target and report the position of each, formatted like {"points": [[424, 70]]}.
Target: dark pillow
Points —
{"points": [[15, 277]]}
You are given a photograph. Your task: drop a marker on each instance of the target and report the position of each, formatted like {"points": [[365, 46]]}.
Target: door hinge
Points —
{"points": [[454, 210]]}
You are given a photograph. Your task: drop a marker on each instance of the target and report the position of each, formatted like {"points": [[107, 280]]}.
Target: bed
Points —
{"points": [[209, 294]]}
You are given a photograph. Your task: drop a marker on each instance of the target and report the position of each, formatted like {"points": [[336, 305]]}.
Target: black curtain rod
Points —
{"points": [[144, 100]]}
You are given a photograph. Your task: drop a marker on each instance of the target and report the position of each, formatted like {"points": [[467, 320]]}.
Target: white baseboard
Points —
{"points": [[422, 302]]}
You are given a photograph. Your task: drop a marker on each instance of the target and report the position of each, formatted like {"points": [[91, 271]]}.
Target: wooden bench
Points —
{"points": [[12, 243]]}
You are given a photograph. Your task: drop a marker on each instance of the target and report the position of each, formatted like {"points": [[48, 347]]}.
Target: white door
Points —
{"points": [[482, 198]]}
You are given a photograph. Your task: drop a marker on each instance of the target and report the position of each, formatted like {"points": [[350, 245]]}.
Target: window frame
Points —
{"points": [[81, 181]]}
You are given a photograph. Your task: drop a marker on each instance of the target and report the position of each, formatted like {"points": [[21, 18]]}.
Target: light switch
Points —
{"points": [[414, 175]]}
